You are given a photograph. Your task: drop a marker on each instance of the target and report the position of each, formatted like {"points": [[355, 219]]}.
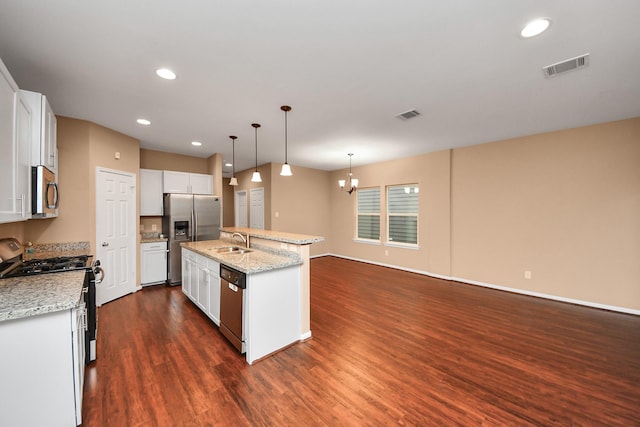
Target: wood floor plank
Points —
{"points": [[388, 348]]}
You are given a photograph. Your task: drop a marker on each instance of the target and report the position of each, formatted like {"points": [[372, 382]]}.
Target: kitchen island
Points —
{"points": [[291, 243], [42, 336], [273, 302]]}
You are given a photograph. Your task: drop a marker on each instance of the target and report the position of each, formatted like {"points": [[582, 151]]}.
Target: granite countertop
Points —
{"points": [[39, 294], [278, 236], [256, 261], [153, 239]]}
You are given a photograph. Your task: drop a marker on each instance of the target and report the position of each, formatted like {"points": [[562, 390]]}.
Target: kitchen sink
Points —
{"points": [[232, 250]]}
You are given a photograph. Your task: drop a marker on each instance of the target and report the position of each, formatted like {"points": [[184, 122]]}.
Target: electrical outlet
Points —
{"points": [[154, 227], [386, 252], [527, 274]]}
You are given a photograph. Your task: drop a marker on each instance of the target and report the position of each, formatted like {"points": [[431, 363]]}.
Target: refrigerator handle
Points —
{"points": [[194, 226]]}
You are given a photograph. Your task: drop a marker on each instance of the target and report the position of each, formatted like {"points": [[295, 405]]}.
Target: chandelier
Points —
{"points": [[350, 183]]}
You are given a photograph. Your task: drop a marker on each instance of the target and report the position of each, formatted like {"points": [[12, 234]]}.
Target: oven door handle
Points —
{"points": [[98, 271]]}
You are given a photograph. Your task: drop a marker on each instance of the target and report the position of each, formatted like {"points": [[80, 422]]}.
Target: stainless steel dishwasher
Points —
{"points": [[232, 285]]}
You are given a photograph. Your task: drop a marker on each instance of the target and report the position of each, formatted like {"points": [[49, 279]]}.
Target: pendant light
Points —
{"points": [[234, 180], [256, 175], [350, 183], [286, 169]]}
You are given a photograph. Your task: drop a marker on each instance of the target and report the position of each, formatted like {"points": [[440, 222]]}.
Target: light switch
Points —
{"points": [[117, 155]]}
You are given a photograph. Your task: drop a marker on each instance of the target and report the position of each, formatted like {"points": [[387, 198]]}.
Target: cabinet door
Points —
{"points": [[8, 147], [200, 183], [78, 337], [187, 264], [154, 263], [150, 192], [194, 278], [23, 165], [175, 182], [203, 286], [49, 138], [214, 291]]}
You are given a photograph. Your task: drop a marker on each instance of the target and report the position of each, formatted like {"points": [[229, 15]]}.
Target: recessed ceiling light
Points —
{"points": [[228, 165], [143, 122], [535, 27], [196, 143], [165, 73]]}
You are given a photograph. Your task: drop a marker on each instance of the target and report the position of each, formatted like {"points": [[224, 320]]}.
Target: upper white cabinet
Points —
{"points": [[150, 192], [15, 161], [190, 183], [44, 149]]}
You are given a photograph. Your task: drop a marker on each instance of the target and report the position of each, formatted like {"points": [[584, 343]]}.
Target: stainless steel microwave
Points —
{"points": [[44, 193]]}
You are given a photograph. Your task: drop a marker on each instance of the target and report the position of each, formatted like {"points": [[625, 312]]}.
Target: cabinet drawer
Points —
{"points": [[154, 246]]}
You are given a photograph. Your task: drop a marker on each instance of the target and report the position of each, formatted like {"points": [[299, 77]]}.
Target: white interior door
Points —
{"points": [[241, 209], [115, 233], [257, 208]]}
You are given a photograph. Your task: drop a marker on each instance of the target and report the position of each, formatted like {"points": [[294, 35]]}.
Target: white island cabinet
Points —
{"points": [[201, 283], [271, 311]]}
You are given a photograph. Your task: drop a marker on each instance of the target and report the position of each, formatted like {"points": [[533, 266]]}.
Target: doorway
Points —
{"points": [[115, 233], [241, 208]]}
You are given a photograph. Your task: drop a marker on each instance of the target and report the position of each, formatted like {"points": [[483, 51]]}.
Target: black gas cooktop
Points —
{"points": [[19, 268]]}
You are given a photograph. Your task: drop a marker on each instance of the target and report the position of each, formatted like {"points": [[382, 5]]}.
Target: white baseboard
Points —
{"points": [[501, 288], [305, 336]]}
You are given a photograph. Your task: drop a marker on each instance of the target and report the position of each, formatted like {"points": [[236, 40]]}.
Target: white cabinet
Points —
{"points": [[15, 161], [153, 263], [213, 279], [42, 369], [44, 148], [184, 182], [201, 183], [187, 264], [201, 283], [150, 192]]}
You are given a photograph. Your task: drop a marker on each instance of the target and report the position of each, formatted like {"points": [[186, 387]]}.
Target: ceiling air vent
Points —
{"points": [[568, 65], [408, 115]]}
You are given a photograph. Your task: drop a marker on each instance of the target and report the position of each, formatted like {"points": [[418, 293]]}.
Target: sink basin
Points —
{"points": [[232, 250]]}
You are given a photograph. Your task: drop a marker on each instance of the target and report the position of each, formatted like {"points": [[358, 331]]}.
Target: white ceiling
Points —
{"points": [[347, 68]]}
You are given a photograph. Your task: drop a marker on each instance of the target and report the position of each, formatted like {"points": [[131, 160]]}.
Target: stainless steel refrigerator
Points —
{"points": [[188, 218]]}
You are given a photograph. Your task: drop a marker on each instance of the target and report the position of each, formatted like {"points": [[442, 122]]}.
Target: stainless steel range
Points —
{"points": [[13, 265]]}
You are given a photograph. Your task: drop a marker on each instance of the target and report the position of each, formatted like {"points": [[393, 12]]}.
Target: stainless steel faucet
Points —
{"points": [[244, 239]]}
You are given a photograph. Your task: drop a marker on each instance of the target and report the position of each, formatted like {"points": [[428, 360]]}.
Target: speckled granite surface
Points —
{"points": [[52, 250], [278, 236], [153, 239], [43, 293], [253, 262]]}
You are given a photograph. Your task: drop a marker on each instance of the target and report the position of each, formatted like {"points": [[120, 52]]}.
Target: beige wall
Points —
{"points": [[150, 159], [82, 147], [563, 205], [301, 203], [431, 172], [76, 214]]}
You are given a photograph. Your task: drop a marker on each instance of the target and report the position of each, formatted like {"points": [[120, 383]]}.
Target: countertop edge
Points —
{"points": [[257, 261], [277, 236]]}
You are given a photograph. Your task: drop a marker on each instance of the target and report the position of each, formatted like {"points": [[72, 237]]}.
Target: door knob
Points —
{"points": [[105, 244]]}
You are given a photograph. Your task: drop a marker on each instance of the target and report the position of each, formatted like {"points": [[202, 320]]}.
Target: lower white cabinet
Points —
{"points": [[201, 283], [42, 369], [153, 262]]}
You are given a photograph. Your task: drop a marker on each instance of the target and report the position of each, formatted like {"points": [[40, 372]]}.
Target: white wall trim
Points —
{"points": [[305, 336], [590, 304]]}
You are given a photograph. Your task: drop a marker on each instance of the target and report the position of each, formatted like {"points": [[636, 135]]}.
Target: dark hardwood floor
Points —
{"points": [[388, 348]]}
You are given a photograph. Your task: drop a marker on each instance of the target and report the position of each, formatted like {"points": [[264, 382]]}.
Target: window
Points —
{"points": [[368, 214], [402, 214]]}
